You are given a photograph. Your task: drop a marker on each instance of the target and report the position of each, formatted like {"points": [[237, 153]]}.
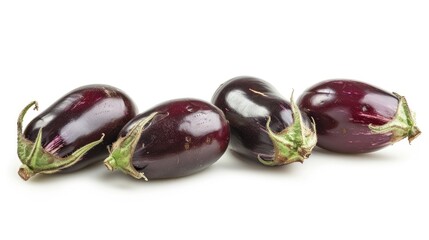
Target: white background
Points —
{"points": [[159, 50]]}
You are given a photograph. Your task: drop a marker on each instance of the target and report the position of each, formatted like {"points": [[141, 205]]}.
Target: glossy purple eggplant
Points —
{"points": [[264, 126], [173, 139], [355, 117], [74, 131]]}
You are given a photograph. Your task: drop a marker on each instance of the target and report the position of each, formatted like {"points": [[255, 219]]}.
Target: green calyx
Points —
{"points": [[401, 126], [36, 160], [293, 144], [123, 149]]}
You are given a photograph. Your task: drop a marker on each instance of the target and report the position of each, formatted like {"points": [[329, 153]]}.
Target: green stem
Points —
{"points": [[36, 160], [22, 114], [123, 150], [401, 126], [293, 144]]}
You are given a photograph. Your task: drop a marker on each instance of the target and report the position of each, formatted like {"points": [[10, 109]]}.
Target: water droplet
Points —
{"points": [[188, 139], [187, 146], [190, 108]]}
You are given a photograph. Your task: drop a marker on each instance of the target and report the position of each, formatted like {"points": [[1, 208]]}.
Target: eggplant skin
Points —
{"points": [[345, 111], [248, 102], [82, 116], [185, 137]]}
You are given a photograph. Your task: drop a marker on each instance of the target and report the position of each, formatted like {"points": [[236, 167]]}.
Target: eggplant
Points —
{"points": [[173, 139], [73, 132], [355, 117], [264, 126]]}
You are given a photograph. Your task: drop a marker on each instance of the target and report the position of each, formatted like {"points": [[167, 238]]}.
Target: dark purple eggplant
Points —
{"points": [[355, 117], [74, 132], [173, 139], [264, 126]]}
